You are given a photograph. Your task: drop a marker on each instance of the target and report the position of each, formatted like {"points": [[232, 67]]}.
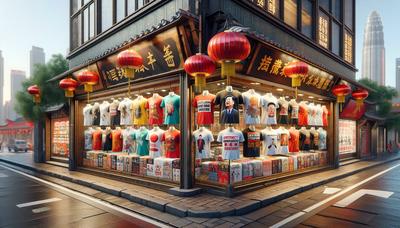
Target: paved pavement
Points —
{"points": [[28, 203]]}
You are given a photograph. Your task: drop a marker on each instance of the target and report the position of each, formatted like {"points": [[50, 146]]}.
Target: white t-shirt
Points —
{"points": [[270, 141], [155, 142], [230, 139], [125, 109], [128, 144], [294, 109], [87, 115], [269, 106], [311, 114], [283, 140], [114, 107], [252, 107], [318, 115], [202, 139], [105, 118]]}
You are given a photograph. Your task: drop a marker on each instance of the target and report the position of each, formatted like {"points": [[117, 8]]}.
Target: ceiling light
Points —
{"points": [[218, 84], [311, 97], [254, 83], [300, 94], [279, 89], [320, 99], [148, 93], [223, 83], [163, 90]]}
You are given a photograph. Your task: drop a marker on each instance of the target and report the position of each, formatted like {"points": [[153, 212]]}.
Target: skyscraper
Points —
{"points": [[373, 59], [398, 76], [36, 56], [1, 88], [17, 77]]}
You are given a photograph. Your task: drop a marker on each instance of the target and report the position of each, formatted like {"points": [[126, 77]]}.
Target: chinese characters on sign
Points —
{"points": [[347, 136], [160, 55]]}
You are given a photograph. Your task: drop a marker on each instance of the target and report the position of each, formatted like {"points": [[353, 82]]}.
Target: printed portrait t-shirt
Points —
{"points": [[283, 140], [294, 109], [252, 107], [105, 118], [171, 105], [128, 144], [125, 109], [283, 111], [270, 141], [139, 113], [270, 104], [96, 114], [252, 143], [205, 108], [172, 141], [230, 139], [202, 139], [155, 142], [155, 111], [142, 145], [87, 115], [224, 97]]}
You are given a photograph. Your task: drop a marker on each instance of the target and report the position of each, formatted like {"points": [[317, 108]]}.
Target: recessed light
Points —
{"points": [[163, 90], [311, 97], [218, 84], [223, 83], [320, 99], [148, 93], [287, 96], [279, 89], [300, 94], [254, 83]]}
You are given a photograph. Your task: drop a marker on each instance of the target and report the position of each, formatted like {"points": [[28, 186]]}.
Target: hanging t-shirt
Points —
{"points": [[205, 108], [322, 139], [230, 139], [303, 114], [128, 144], [270, 141], [116, 140], [139, 113], [202, 140], [325, 114], [97, 140], [283, 140], [115, 114], [294, 140], [96, 114], [312, 114], [270, 104], [229, 102], [155, 111], [88, 138], [105, 119], [294, 109], [305, 140], [252, 107], [172, 142], [142, 145], [252, 143], [283, 111], [107, 140], [171, 105], [125, 109], [87, 115], [155, 142], [315, 139]]}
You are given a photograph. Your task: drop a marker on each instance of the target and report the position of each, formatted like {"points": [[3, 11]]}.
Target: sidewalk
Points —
{"points": [[204, 205]]}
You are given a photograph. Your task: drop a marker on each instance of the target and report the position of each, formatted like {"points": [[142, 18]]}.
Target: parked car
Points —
{"points": [[18, 145]]}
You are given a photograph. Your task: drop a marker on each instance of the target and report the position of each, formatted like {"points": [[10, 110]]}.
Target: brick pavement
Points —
{"points": [[259, 207]]}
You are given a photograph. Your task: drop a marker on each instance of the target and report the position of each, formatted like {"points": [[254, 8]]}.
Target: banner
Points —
{"points": [[347, 136]]}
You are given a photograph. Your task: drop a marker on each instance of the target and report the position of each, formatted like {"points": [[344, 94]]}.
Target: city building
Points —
{"points": [[199, 151], [17, 77], [36, 56], [373, 58], [398, 76], [2, 119]]}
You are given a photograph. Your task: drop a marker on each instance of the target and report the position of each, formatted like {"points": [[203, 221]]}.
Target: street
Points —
{"points": [[27, 202]]}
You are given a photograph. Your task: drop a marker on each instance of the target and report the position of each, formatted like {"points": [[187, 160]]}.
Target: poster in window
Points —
{"points": [[60, 138], [347, 136]]}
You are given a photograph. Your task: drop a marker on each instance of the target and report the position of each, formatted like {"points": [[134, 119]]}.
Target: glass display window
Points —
{"points": [[60, 138]]}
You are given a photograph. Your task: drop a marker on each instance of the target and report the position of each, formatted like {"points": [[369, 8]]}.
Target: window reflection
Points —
{"points": [[306, 18], [106, 14], [348, 14], [290, 14], [120, 10], [336, 5], [324, 4], [335, 38], [76, 32]]}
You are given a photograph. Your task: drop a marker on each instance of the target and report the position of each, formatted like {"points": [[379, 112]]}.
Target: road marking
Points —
{"points": [[360, 193], [78, 195], [317, 205], [330, 191], [38, 202], [3, 175], [40, 210]]}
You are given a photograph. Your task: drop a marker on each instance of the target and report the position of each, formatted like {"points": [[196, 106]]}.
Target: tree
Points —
{"points": [[50, 92]]}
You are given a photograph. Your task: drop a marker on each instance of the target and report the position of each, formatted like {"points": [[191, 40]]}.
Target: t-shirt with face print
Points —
{"points": [[155, 142], [87, 115], [172, 142], [125, 109], [283, 110], [96, 114], [128, 144], [252, 107], [230, 139], [270, 141], [115, 114], [283, 140], [171, 104], [156, 115], [142, 144], [202, 139], [139, 113], [229, 100], [293, 109], [105, 118], [270, 104]]}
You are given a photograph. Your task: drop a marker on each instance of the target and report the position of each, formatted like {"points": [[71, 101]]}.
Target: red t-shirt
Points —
{"points": [[205, 108], [325, 114], [155, 111], [294, 140], [97, 140], [303, 114], [172, 143], [116, 141]]}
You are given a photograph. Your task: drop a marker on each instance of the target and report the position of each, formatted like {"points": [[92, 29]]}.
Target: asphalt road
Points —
{"points": [[29, 202]]}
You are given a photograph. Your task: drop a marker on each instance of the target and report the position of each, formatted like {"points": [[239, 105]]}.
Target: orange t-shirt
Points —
{"points": [[116, 141], [294, 140], [325, 114], [303, 114], [97, 140]]}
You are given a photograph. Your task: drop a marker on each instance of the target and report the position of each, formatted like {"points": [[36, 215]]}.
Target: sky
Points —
{"points": [[45, 23]]}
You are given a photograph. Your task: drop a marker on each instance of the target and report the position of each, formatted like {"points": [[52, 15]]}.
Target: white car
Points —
{"points": [[18, 145]]}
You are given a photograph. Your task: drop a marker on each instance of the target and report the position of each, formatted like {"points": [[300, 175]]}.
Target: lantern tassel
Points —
{"points": [[227, 69], [129, 87], [129, 72], [359, 103], [88, 88], [200, 82], [88, 97], [341, 99], [36, 99], [69, 93], [296, 81]]}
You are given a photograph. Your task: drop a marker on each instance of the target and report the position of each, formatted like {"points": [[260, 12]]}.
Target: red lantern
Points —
{"points": [[341, 91], [129, 60], [199, 66], [88, 79], [34, 90], [69, 86], [228, 48], [360, 95], [296, 70]]}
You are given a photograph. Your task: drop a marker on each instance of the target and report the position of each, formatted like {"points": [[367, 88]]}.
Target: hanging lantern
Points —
{"points": [[128, 61], [34, 90], [296, 70], [199, 66], [359, 95], [341, 91], [228, 48], [69, 86], [88, 79]]}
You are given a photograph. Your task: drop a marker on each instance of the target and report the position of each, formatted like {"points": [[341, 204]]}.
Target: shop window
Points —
{"points": [[325, 4], [348, 14], [290, 13], [323, 30], [336, 9], [336, 38], [307, 18], [106, 14], [348, 47]]}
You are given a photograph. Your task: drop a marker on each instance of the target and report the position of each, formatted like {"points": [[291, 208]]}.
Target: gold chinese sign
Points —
{"points": [[268, 63], [160, 54]]}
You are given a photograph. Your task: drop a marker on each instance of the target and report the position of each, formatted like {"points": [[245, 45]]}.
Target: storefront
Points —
{"points": [[17, 130]]}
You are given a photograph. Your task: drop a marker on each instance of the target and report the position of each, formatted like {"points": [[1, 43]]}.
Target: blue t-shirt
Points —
{"points": [[171, 104], [142, 145]]}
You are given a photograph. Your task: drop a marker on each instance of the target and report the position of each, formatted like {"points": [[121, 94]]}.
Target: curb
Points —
{"points": [[175, 209]]}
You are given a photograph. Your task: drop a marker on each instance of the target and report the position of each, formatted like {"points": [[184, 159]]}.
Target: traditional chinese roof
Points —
{"points": [[16, 127], [56, 108]]}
